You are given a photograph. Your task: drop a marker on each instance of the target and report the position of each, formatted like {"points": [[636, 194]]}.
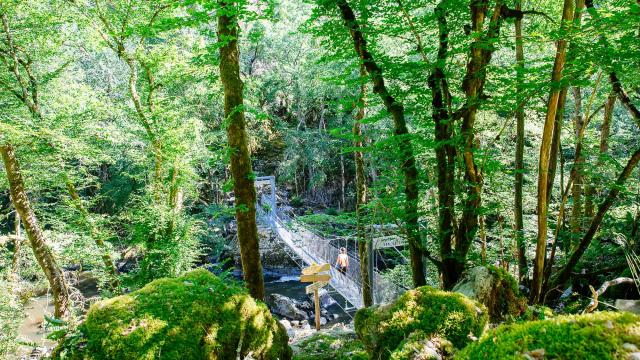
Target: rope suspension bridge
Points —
{"points": [[312, 248]]}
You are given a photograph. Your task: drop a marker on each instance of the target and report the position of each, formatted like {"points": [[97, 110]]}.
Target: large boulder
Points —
{"points": [[287, 307], [495, 288], [422, 313], [332, 344], [196, 316], [600, 336]]}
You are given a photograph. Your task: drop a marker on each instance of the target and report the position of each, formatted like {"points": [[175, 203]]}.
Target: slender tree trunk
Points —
{"points": [[605, 129], [361, 195], [556, 147], [445, 150], [519, 176], [243, 177], [408, 162], [543, 165], [107, 261], [38, 242], [564, 274], [17, 243], [343, 182], [576, 190]]}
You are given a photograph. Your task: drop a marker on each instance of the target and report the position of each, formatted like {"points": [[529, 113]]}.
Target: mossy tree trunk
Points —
{"points": [[243, 177], [407, 158], [361, 195], [41, 250], [445, 150], [519, 173]]}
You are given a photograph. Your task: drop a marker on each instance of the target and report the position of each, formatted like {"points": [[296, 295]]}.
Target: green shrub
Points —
{"points": [[11, 314], [432, 312], [598, 336], [196, 316]]}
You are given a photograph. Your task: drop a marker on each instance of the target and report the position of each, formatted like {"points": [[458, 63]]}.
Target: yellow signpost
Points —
{"points": [[312, 275]]}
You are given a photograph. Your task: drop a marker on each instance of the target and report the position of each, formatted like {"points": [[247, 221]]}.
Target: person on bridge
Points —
{"points": [[342, 263]]}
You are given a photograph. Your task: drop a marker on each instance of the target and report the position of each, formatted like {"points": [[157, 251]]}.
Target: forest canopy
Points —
{"points": [[500, 133]]}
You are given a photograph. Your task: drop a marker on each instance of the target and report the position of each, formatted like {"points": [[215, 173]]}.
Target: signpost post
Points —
{"points": [[316, 274]]}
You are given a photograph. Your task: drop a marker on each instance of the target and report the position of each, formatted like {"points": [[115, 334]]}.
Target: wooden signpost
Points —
{"points": [[313, 275]]}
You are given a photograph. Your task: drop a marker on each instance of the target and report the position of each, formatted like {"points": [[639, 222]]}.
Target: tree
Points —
{"points": [[241, 171], [544, 163], [407, 159], [38, 242]]}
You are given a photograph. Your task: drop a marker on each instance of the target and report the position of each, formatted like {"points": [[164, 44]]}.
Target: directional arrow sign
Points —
{"points": [[316, 286], [314, 269], [315, 277]]}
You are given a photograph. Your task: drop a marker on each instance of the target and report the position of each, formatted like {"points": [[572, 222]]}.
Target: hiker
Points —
{"points": [[342, 263]]}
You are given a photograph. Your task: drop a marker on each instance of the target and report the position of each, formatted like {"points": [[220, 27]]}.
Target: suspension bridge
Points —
{"points": [[312, 248]]}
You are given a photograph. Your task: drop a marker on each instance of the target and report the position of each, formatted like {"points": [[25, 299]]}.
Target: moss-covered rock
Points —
{"points": [[419, 346], [430, 312], [330, 345], [495, 288], [196, 316], [598, 336]]}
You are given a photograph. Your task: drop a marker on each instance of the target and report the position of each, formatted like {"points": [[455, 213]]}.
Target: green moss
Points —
{"points": [[330, 346], [448, 315], [196, 316], [420, 346], [595, 336], [507, 303]]}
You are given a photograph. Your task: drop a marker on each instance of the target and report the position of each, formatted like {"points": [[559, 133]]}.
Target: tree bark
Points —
{"points": [[107, 261], [605, 130], [519, 173], [408, 162], [361, 195], [445, 150], [564, 274], [543, 165], [243, 177], [41, 250]]}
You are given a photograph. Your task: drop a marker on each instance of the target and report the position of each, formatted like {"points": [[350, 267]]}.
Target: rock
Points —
{"points": [[295, 323], [562, 337], [324, 312], [634, 356], [304, 322], [305, 305], [171, 320], [628, 305], [306, 327], [335, 316], [495, 288], [286, 324], [286, 307], [422, 313], [330, 344], [421, 347], [630, 347], [325, 299], [323, 321], [608, 324]]}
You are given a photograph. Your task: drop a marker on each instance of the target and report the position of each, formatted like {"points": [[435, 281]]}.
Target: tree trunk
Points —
{"points": [[576, 189], [605, 129], [408, 162], [564, 274], [107, 261], [361, 195], [543, 165], [445, 150], [38, 242], [556, 147], [243, 177], [519, 173]]}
